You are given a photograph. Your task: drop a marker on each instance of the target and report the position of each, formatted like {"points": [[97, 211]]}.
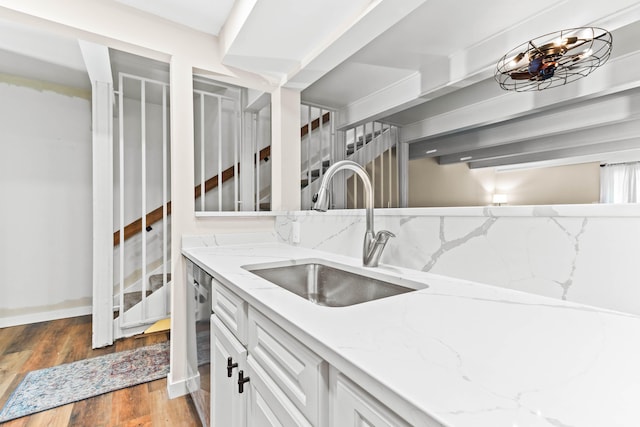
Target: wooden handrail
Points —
{"points": [[314, 124], [156, 215]]}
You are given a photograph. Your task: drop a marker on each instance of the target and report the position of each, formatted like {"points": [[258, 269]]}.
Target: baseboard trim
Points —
{"points": [[181, 387], [44, 316]]}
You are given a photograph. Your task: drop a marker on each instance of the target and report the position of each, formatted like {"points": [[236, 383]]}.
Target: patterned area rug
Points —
{"points": [[51, 387], [47, 388]]}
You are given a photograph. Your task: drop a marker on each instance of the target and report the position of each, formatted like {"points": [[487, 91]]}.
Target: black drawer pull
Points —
{"points": [[241, 381], [230, 366]]}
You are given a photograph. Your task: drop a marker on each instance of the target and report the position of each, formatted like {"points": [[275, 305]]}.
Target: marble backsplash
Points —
{"points": [[582, 253]]}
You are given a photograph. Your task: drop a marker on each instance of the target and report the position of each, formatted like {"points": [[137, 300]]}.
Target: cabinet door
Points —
{"points": [[352, 406], [228, 407], [297, 372], [268, 405]]}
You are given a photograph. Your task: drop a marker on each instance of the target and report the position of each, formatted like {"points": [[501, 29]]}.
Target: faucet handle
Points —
{"points": [[383, 235]]}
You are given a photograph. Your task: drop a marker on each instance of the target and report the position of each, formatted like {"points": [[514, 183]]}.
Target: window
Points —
{"points": [[619, 183]]}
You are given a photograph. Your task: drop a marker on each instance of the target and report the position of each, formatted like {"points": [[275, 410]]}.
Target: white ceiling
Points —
{"points": [[203, 15], [440, 30], [432, 73], [39, 55]]}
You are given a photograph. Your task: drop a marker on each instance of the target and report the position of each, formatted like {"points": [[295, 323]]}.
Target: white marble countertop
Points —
{"points": [[461, 353]]}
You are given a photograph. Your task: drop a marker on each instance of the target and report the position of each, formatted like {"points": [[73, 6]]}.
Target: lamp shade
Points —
{"points": [[499, 199]]}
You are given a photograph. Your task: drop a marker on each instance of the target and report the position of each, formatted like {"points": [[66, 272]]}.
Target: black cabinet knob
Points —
{"points": [[241, 381], [230, 366]]}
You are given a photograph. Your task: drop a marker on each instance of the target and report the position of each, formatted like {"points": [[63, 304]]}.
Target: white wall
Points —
{"points": [[45, 218], [263, 136], [431, 184]]}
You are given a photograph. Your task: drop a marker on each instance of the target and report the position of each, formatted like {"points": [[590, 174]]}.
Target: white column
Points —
{"points": [[339, 184], [102, 145], [402, 153], [182, 217], [247, 151], [96, 59], [285, 149]]}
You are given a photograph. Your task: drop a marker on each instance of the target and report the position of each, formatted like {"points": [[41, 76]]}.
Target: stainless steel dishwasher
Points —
{"points": [[201, 299]]}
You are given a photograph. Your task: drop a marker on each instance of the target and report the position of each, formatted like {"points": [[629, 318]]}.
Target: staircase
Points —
{"points": [[371, 145], [146, 299], [362, 140]]}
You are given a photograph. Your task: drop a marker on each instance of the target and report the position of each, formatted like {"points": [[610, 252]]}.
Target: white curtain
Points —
{"points": [[620, 183]]}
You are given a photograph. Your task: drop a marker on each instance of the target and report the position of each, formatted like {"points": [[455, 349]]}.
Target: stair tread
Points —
{"points": [[359, 143], [133, 298]]}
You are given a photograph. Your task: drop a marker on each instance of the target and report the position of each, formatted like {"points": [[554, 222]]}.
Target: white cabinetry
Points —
{"points": [[228, 356], [352, 406], [287, 385], [268, 405], [288, 375]]}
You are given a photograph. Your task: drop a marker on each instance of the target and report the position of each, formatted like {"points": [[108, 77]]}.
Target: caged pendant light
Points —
{"points": [[554, 59]]}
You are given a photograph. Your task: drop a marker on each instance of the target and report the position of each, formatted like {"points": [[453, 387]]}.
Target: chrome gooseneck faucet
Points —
{"points": [[374, 243]]}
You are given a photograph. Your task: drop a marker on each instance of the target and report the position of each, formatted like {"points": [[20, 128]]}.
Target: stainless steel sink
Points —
{"points": [[330, 284]]}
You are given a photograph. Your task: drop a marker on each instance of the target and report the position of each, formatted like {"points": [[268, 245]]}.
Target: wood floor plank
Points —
{"points": [[144, 421], [20, 422], [80, 320], [128, 344], [8, 335], [157, 385], [75, 347], [25, 340], [13, 362], [154, 338], [46, 350], [56, 417], [10, 366], [6, 387], [179, 412], [130, 403], [95, 412], [13, 382]]}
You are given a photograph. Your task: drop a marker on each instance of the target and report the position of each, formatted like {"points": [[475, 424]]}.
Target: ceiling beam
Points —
{"points": [[617, 75], [399, 96], [468, 72], [238, 16], [344, 42], [609, 147], [585, 115], [579, 137]]}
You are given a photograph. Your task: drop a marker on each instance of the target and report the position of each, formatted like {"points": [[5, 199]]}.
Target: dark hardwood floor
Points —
{"points": [[42, 345]]}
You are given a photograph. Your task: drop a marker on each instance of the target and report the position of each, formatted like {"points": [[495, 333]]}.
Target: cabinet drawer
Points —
{"points": [[230, 309], [353, 406], [268, 406], [299, 373]]}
